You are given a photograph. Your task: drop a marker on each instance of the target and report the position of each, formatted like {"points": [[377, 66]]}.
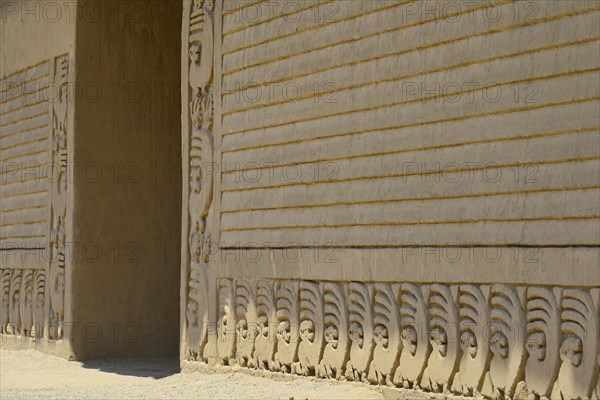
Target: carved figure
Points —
{"points": [[360, 331], [386, 334]]}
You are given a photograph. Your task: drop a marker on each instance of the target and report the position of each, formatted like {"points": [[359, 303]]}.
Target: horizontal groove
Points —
{"points": [[23, 194], [23, 143], [23, 223], [31, 153], [248, 4], [358, 38], [315, 27], [17, 85], [423, 148], [24, 119], [22, 237], [274, 17], [23, 107], [426, 222], [418, 100], [423, 123], [408, 199], [9, 210], [433, 172], [413, 75], [405, 51], [25, 94], [33, 128], [23, 70], [31, 178], [23, 167], [412, 245]]}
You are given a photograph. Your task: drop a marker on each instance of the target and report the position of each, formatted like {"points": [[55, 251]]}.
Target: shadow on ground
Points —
{"points": [[156, 368]]}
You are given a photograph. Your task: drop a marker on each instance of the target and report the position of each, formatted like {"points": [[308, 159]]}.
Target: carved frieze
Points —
{"points": [[495, 341], [200, 139]]}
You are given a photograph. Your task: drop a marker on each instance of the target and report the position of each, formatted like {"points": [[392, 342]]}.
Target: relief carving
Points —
{"points": [[415, 344], [446, 352], [246, 328], [58, 198], [386, 333], [474, 319], [312, 342], [337, 340], [39, 303], [288, 312], [495, 341], [543, 338], [360, 331], [14, 324], [266, 324], [200, 176], [5, 310], [507, 334], [580, 344], [226, 324], [27, 303]]}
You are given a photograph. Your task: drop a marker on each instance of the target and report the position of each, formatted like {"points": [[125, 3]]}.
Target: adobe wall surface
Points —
{"points": [[400, 193], [36, 62], [91, 190]]}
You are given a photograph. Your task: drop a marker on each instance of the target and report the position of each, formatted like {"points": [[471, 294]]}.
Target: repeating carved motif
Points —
{"points": [[39, 303], [386, 333], [446, 352], [246, 329], [58, 207], [415, 344], [5, 310], [200, 174], [14, 325], [337, 339], [266, 323], [311, 338], [27, 303], [507, 333], [360, 299], [474, 319], [491, 341], [226, 324], [580, 345], [543, 333], [288, 312], [22, 307]]}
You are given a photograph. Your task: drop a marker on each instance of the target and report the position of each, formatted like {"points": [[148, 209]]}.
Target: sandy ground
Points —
{"points": [[31, 374]]}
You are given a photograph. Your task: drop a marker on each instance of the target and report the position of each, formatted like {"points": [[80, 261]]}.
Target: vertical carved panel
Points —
{"points": [[360, 299], [226, 324], [415, 344], [266, 310], [474, 320], [246, 330], [444, 334], [580, 344], [337, 340], [27, 303], [14, 324], [5, 286], [200, 78], [543, 337], [507, 334], [58, 193], [312, 342], [387, 334], [39, 303], [288, 312]]}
